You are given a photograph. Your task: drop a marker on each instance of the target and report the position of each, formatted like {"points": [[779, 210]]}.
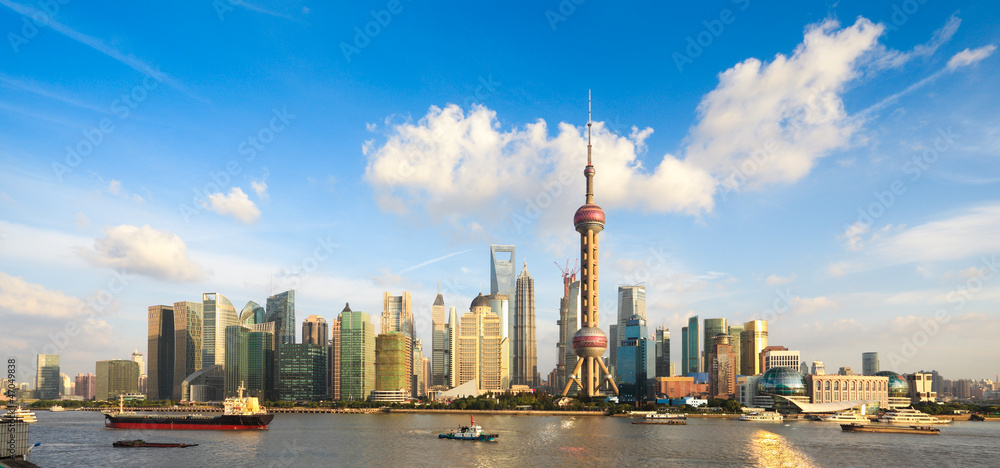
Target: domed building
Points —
{"points": [[899, 390], [779, 382]]}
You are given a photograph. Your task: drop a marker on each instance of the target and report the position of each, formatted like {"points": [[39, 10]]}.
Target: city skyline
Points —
{"points": [[854, 206]]}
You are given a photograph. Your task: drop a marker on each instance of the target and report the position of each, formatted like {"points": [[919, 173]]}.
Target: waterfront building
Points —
{"points": [[684, 351], [281, 311], [334, 355], [218, 313], [636, 365], [451, 355], [869, 363], [838, 388], [736, 343], [710, 328], [722, 371], [898, 389], [589, 342], [779, 356], [568, 324], [250, 360], [662, 345], [753, 339], [525, 353], [921, 387], [357, 355], [778, 385], [252, 314], [315, 331], [86, 386], [161, 343], [680, 387], [818, 368], [116, 377], [390, 362], [47, 379], [397, 316], [188, 339], [439, 341], [481, 348], [303, 372]]}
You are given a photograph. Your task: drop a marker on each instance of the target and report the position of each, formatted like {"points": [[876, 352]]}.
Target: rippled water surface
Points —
{"points": [[78, 438]]}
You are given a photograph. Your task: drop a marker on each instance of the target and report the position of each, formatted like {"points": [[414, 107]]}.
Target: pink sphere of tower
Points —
{"points": [[590, 342], [589, 217]]}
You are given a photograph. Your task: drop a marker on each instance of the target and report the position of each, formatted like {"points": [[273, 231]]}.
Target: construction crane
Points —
{"points": [[566, 272]]}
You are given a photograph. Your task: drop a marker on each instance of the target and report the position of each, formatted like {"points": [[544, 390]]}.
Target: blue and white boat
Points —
{"points": [[470, 432]]}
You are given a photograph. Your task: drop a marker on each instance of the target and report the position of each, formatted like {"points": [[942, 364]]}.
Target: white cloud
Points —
{"points": [[972, 233], [115, 187], [260, 188], [146, 251], [852, 235], [19, 297], [809, 305], [235, 204], [775, 280], [968, 57], [892, 59]]}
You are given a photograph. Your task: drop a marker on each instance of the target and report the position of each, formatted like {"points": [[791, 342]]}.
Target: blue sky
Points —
{"points": [[828, 166]]}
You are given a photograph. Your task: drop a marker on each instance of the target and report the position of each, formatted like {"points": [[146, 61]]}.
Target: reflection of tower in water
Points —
{"points": [[589, 342]]}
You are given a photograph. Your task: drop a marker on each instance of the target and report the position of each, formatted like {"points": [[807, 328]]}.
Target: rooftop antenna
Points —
{"points": [[589, 123]]}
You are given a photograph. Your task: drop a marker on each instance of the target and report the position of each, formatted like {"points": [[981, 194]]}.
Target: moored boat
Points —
{"points": [[855, 427], [909, 417], [471, 432], [19, 414], [846, 417], [677, 419], [239, 413], [143, 443], [761, 416], [56, 408]]}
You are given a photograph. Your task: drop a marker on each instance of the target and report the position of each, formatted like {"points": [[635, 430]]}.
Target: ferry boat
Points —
{"points": [[855, 427], [56, 408], [761, 416], [238, 413], [846, 417], [663, 418], [470, 432], [19, 414], [910, 416]]}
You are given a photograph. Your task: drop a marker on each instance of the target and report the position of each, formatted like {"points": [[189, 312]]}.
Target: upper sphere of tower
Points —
{"points": [[589, 217]]}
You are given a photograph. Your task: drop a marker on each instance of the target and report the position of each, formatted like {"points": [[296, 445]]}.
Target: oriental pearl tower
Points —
{"points": [[589, 343]]}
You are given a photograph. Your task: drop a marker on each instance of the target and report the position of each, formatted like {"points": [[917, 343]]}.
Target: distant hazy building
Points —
{"points": [[303, 372], [419, 377], [116, 377], [315, 331], [47, 379], [804, 368], [525, 354], [662, 345], [188, 339], [86, 386], [357, 355], [439, 342], [722, 368], [818, 368], [845, 371], [390, 362], [137, 358], [710, 328], [753, 339], [568, 323], [397, 316], [218, 313], [161, 342], [281, 311], [481, 347], [736, 343], [636, 366], [869, 363], [631, 301]]}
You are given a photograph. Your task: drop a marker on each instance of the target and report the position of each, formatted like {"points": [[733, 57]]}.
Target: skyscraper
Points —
{"points": [[439, 339], [334, 355], [753, 340], [565, 357], [636, 367], [721, 369], [303, 372], [188, 336], [116, 377], [735, 343], [451, 358], [500, 307], [390, 362], [357, 355], [502, 263], [869, 363], [525, 356], [252, 314], [589, 342], [631, 301], [662, 345], [315, 331], [481, 348], [685, 348], [47, 380], [711, 327], [161, 342], [218, 313], [693, 363], [419, 377], [397, 316], [86, 386], [281, 310]]}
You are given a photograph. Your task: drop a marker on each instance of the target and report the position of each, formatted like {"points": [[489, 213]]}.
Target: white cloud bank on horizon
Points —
{"points": [[145, 251]]}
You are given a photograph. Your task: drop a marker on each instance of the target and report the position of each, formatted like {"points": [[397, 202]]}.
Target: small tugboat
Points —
{"points": [[855, 427], [470, 432], [143, 443]]}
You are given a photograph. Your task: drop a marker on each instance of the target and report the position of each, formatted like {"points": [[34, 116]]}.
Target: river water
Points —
{"points": [[79, 438]]}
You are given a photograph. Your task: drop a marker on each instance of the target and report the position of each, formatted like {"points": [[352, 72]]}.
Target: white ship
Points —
{"points": [[20, 414], [846, 417], [761, 416], [56, 408], [910, 417]]}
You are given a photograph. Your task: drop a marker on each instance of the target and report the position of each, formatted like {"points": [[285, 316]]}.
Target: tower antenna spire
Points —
{"points": [[589, 123]]}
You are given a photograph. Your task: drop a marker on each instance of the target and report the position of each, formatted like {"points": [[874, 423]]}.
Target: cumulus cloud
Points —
{"points": [[146, 251], [968, 57], [236, 204], [19, 297]]}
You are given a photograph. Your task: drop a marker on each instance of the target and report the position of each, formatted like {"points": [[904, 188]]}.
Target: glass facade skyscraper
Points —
{"points": [[218, 313], [47, 379], [662, 344], [636, 366], [303, 372], [692, 358], [710, 328], [188, 324], [525, 348], [357, 355], [281, 310], [161, 343]]}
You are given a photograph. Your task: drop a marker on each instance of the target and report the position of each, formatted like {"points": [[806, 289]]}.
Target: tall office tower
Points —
{"points": [[303, 372], [47, 379], [218, 314], [315, 331], [237, 362], [480, 348], [66, 385], [357, 355], [869, 363], [589, 342], [684, 351], [636, 366], [710, 328], [631, 301], [397, 316], [693, 348], [418, 368], [250, 360], [735, 343], [252, 314], [567, 327], [753, 340], [334, 355], [662, 345], [161, 342], [390, 363], [116, 377], [424, 389], [502, 264], [451, 359], [281, 310], [86, 386], [137, 358], [722, 371], [572, 325], [188, 335], [525, 355], [439, 341]]}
